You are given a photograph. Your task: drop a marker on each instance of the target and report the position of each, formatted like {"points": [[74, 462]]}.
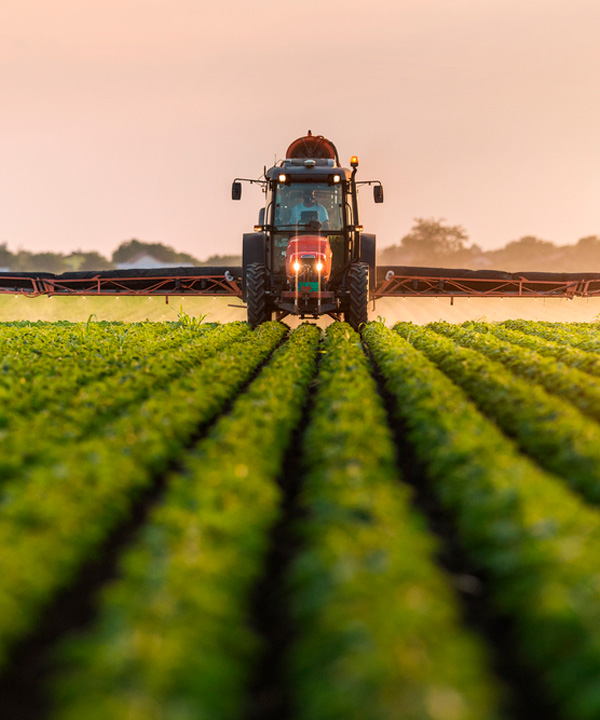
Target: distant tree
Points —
{"points": [[80, 260], [21, 261], [435, 237], [25, 261], [588, 249], [163, 253], [584, 256], [223, 260], [6, 257], [430, 242], [528, 253]]}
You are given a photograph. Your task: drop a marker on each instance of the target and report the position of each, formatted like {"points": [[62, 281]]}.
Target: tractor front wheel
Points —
{"points": [[357, 282], [256, 294]]}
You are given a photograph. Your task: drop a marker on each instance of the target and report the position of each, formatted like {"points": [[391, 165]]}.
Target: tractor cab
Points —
{"points": [[307, 207]]}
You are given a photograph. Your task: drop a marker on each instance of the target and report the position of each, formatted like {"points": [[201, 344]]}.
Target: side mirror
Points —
{"points": [[236, 191], [378, 193]]}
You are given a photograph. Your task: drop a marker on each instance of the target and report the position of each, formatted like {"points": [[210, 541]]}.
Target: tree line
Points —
{"points": [[430, 243], [434, 243], [128, 251]]}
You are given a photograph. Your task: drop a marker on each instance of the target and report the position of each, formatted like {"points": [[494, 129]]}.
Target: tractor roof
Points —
{"points": [[311, 158], [308, 171]]}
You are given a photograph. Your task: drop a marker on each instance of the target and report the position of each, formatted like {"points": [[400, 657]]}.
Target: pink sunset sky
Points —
{"points": [[130, 118]]}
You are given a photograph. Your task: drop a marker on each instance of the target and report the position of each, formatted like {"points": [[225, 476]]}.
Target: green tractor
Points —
{"points": [[308, 254]]}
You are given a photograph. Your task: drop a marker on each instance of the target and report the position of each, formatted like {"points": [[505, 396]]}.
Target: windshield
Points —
{"points": [[302, 204]]}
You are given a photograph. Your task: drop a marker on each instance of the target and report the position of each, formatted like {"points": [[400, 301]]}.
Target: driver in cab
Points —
{"points": [[308, 205]]}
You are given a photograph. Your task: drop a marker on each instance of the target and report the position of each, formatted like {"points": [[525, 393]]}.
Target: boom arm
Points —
{"points": [[392, 281], [399, 281]]}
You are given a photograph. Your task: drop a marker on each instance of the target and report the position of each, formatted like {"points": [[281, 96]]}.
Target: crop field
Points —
{"points": [[200, 521]]}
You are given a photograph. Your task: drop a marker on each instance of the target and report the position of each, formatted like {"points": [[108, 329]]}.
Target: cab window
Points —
{"points": [[298, 204]]}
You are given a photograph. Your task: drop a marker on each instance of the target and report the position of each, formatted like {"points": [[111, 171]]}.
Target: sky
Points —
{"points": [[126, 119]]}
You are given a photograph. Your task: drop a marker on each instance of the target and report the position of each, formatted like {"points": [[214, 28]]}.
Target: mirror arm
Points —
{"points": [[368, 182], [251, 181]]}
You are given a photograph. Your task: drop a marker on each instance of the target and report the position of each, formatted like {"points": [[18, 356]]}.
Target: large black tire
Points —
{"points": [[256, 295], [357, 282], [253, 251]]}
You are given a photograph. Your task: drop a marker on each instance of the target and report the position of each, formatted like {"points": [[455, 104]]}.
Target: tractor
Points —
{"points": [[308, 255]]}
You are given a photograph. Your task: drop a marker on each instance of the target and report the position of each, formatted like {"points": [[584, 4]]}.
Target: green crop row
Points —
{"points": [[591, 329], [173, 641], [556, 434], [53, 365], [68, 420], [571, 356], [536, 542], [378, 625], [58, 514], [21, 346], [573, 385], [559, 333]]}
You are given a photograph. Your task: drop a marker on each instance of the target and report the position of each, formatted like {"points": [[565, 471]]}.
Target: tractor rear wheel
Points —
{"points": [[357, 282], [256, 294]]}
